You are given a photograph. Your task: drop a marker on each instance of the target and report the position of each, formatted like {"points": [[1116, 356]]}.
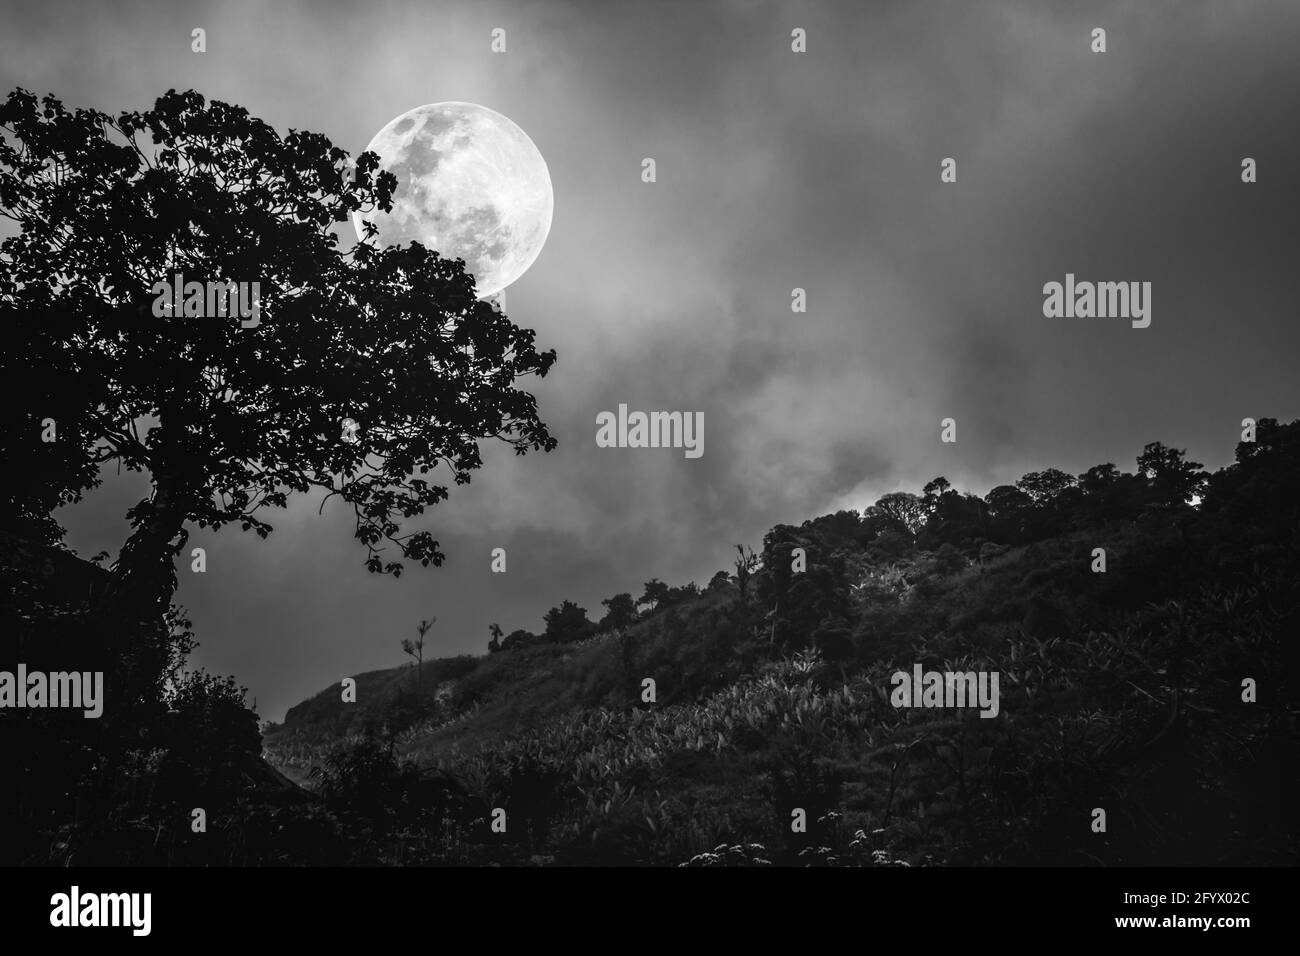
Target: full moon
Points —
{"points": [[470, 185]]}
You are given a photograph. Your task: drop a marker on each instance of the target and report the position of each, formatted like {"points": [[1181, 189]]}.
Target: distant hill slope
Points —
{"points": [[1161, 688], [466, 701]]}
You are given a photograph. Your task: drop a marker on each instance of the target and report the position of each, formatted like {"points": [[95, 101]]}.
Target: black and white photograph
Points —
{"points": [[649, 434]]}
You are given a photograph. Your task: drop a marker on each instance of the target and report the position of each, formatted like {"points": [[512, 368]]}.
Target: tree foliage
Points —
{"points": [[567, 623], [230, 420]]}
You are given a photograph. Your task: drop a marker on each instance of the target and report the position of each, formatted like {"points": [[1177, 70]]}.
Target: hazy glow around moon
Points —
{"points": [[470, 185]]}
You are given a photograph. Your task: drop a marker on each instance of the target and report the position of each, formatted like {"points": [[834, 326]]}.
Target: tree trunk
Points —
{"points": [[144, 577]]}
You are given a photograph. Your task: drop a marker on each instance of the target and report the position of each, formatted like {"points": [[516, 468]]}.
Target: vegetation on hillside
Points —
{"points": [[1120, 690]]}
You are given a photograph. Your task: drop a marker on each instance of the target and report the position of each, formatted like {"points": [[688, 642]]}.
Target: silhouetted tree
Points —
{"points": [[620, 612], [566, 623], [517, 639], [804, 600], [1006, 499], [746, 563], [953, 518], [209, 739], [654, 594], [933, 491], [494, 645], [1043, 486], [899, 511], [228, 419], [719, 581], [1098, 478], [687, 592], [842, 529], [1263, 485], [415, 648], [1173, 479], [1007, 508]]}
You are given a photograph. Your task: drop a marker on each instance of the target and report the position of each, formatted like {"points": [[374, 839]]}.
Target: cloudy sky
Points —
{"points": [[776, 170]]}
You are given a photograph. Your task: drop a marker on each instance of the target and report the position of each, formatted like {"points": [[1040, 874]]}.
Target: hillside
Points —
{"points": [[1121, 689], [468, 701]]}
